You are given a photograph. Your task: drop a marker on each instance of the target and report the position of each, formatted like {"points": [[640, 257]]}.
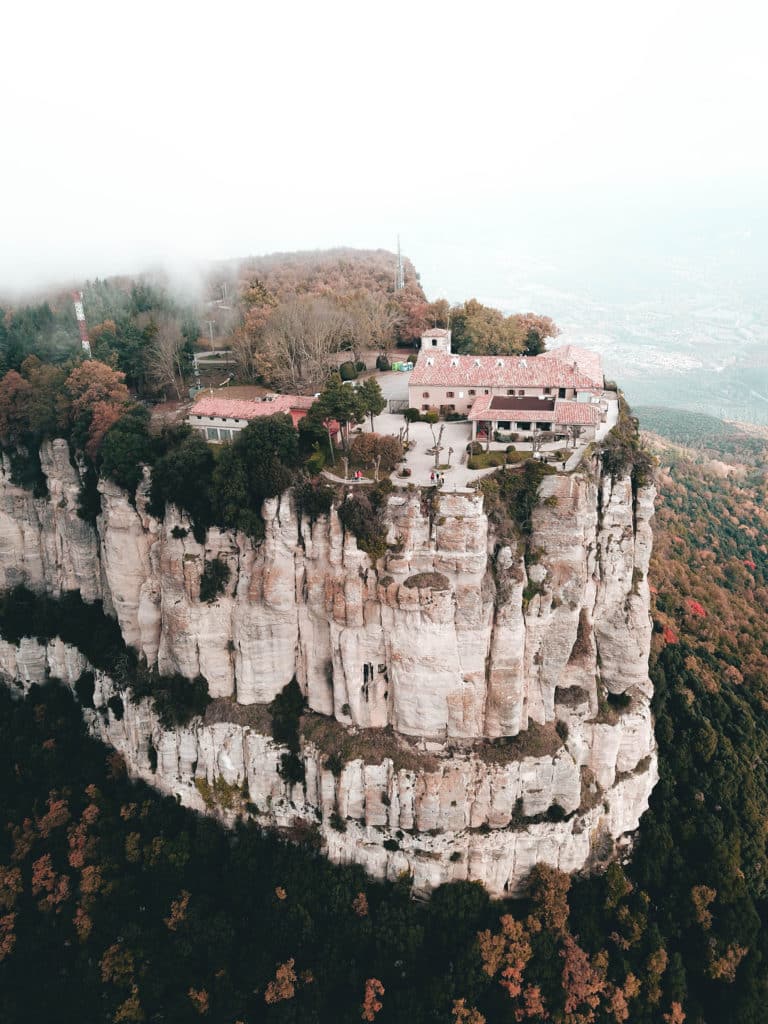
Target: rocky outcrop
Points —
{"points": [[455, 817], [456, 637]]}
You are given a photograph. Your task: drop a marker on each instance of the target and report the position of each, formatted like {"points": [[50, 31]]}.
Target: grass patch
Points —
{"points": [[371, 746], [253, 716], [536, 741], [427, 580], [485, 460]]}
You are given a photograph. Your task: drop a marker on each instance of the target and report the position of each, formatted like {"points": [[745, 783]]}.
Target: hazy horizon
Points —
{"points": [[595, 164]]}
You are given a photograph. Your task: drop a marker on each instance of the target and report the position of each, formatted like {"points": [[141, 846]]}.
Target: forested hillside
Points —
{"points": [[286, 321], [138, 910]]}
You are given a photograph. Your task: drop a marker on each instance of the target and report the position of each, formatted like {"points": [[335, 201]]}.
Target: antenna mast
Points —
{"points": [[399, 272], [77, 298]]}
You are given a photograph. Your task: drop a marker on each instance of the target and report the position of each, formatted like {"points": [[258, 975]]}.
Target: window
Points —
{"points": [[212, 434], [424, 408], [449, 394], [547, 391], [561, 393], [425, 394], [434, 343], [521, 391], [471, 391], [486, 391], [510, 391], [225, 435], [524, 426]]}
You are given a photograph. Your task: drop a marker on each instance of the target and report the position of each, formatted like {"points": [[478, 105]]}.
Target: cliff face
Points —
{"points": [[454, 637]]}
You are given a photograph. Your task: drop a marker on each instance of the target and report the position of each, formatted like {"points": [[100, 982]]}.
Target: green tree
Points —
{"points": [[340, 402], [127, 447], [183, 477], [371, 398]]}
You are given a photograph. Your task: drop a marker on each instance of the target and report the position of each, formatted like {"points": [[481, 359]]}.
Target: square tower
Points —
{"points": [[436, 340]]}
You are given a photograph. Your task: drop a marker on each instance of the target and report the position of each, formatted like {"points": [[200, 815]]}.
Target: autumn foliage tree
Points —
{"points": [[371, 1000]]}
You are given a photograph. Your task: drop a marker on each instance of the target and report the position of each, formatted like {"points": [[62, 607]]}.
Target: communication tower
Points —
{"points": [[399, 271], [77, 298]]}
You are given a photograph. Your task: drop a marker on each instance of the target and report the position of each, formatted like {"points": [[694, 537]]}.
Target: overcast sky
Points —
{"points": [[145, 132]]}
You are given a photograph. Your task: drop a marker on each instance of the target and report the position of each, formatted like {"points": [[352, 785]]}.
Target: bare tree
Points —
{"points": [[165, 355], [301, 342], [373, 319], [575, 430], [539, 438]]}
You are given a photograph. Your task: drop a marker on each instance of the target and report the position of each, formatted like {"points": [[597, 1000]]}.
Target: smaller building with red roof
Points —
{"points": [[220, 419]]}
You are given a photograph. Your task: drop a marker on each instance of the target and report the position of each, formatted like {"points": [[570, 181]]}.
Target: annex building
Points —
{"points": [[221, 419]]}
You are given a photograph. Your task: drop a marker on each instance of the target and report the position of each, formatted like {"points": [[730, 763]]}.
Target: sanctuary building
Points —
{"points": [[556, 391]]}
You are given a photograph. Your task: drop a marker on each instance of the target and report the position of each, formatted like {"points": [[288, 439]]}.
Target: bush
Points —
{"points": [[84, 688], [314, 499], [214, 580], [383, 364], [485, 460], [337, 822], [360, 366], [366, 448], [348, 371], [315, 464], [412, 415], [363, 515], [286, 711], [116, 706], [179, 532]]}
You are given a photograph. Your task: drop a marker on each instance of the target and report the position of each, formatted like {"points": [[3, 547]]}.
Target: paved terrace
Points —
{"points": [[458, 476]]}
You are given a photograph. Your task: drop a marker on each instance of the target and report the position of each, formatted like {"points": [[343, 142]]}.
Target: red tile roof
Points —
{"points": [[436, 332], [576, 413], [441, 369], [586, 362], [245, 409], [565, 413]]}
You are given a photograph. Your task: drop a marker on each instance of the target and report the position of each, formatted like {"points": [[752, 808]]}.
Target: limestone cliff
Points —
{"points": [[453, 640]]}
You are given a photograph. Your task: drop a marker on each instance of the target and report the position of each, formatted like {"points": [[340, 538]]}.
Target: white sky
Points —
{"points": [[139, 132]]}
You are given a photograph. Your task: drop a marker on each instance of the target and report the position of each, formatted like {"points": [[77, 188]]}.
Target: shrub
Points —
{"points": [[84, 688], [360, 366], [485, 460], [316, 462], [391, 844], [363, 515], [412, 415], [562, 730], [337, 822], [213, 582], [348, 371], [366, 448], [314, 499], [382, 363], [286, 711], [116, 706]]}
